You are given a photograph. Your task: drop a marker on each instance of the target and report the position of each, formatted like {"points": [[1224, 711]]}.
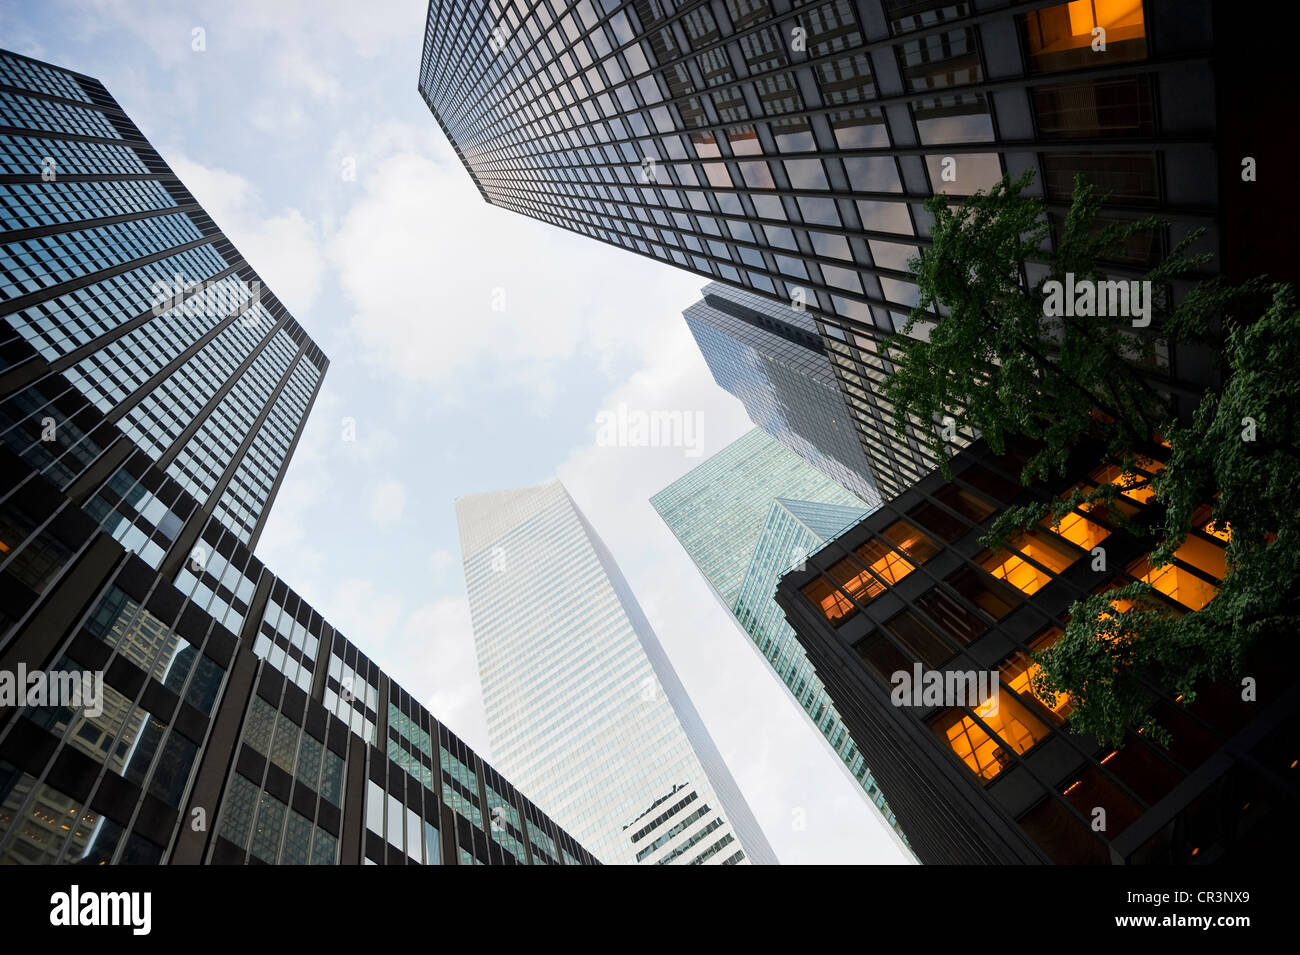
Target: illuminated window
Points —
{"points": [[1132, 484], [1061, 37], [1076, 528], [1175, 582], [986, 756], [1019, 572], [826, 599], [1019, 670], [884, 567]]}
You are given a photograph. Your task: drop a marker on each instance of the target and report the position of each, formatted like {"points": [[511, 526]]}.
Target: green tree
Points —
{"points": [[995, 362]]}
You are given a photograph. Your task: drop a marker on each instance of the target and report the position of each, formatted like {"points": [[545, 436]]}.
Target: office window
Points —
{"points": [[1019, 670], [266, 831], [938, 521], [1103, 107], [1016, 731], [237, 810], [923, 642], [1125, 177], [882, 657], [1016, 569], [984, 592], [1062, 835], [1060, 38], [374, 808], [1175, 582]]}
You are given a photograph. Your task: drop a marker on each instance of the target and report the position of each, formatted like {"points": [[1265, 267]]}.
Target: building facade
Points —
{"points": [[744, 517], [585, 712], [772, 359], [185, 705], [1001, 779], [787, 147]]}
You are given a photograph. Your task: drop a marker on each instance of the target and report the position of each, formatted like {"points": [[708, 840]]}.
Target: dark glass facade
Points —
{"points": [[151, 394], [912, 586], [772, 359], [787, 147]]}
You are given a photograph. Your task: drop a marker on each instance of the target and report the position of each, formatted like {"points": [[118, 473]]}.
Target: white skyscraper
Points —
{"points": [[585, 713]]}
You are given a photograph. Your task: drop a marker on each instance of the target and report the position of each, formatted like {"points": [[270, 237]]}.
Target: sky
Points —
{"points": [[471, 349]]}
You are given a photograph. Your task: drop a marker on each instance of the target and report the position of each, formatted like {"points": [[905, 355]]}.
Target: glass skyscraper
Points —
{"points": [[787, 146], [746, 516], [151, 395], [585, 711], [772, 359]]}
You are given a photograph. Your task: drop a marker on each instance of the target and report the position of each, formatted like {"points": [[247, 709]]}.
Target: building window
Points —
{"points": [[1017, 730], [1110, 107], [1060, 38], [1123, 177], [374, 808], [1049, 559], [1062, 835], [1019, 670], [938, 521]]}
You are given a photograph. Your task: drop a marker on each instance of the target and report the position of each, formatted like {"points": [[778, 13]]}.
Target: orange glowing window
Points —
{"points": [[1132, 484], [1019, 669], [1018, 571], [1176, 583], [1078, 530], [884, 567], [4, 548], [1114, 15], [986, 756], [825, 598], [1204, 555], [1061, 37]]}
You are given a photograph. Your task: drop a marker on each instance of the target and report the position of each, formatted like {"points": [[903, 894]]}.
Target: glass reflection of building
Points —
{"points": [[787, 148], [772, 359], [744, 517], [151, 394], [584, 709], [1009, 783]]}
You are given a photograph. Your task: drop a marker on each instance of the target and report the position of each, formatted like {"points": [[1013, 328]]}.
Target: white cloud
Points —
{"points": [[439, 561], [387, 502], [284, 247], [445, 285], [439, 667]]}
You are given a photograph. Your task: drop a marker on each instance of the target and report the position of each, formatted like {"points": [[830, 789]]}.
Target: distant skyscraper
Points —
{"points": [[771, 358], [584, 710], [746, 516], [151, 394], [788, 147]]}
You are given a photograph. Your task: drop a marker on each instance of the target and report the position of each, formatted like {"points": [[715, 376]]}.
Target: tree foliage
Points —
{"points": [[994, 362]]}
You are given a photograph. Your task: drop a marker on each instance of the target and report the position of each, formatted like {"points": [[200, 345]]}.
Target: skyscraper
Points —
{"points": [[787, 148], [772, 359], [911, 588], [745, 516], [585, 711], [151, 395]]}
